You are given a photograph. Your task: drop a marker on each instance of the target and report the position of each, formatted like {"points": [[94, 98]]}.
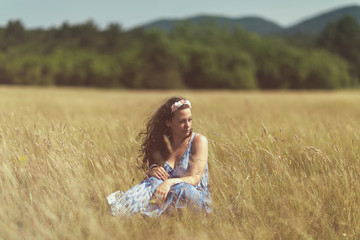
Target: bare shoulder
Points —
{"points": [[199, 148], [200, 141]]}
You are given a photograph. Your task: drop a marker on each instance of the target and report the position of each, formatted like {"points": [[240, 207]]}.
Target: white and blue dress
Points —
{"points": [[137, 200]]}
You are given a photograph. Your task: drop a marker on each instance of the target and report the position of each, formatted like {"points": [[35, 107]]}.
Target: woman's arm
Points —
{"points": [[197, 167], [158, 172]]}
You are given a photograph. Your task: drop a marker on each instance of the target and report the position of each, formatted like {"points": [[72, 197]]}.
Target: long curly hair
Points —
{"points": [[154, 149]]}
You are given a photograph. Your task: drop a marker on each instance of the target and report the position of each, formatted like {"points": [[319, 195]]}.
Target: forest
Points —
{"points": [[187, 57]]}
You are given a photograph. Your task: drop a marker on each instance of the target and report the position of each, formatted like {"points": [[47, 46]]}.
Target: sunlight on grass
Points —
{"points": [[283, 165]]}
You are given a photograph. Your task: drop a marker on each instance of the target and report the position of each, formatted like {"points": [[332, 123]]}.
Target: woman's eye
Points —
{"points": [[184, 121]]}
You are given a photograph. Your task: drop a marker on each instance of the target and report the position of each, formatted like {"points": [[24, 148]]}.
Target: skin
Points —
{"points": [[180, 126]]}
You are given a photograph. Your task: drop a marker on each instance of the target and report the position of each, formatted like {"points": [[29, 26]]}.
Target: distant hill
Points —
{"points": [[251, 24], [262, 26], [316, 24]]}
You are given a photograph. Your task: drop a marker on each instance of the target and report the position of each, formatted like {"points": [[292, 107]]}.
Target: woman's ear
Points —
{"points": [[167, 123]]}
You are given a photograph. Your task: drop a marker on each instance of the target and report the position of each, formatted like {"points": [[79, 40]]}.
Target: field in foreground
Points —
{"points": [[283, 165]]}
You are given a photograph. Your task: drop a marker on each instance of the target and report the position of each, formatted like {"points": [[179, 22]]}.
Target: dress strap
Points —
{"points": [[191, 141], [192, 137]]}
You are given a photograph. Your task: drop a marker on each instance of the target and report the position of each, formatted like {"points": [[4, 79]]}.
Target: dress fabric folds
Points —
{"points": [[137, 200]]}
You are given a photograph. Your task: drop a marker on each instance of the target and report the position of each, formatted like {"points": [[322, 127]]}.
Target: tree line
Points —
{"points": [[189, 56]]}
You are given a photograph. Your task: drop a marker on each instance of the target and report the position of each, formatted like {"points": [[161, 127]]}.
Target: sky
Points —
{"points": [[132, 13]]}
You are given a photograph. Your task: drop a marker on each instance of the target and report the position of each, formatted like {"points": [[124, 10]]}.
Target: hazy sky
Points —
{"points": [[131, 13]]}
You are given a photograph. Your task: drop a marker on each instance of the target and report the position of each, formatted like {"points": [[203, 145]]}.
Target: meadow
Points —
{"points": [[283, 165]]}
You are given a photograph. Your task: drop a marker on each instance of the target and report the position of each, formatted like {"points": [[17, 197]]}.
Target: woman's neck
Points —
{"points": [[176, 141]]}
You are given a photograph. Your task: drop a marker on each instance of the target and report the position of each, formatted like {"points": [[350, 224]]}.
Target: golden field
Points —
{"points": [[283, 165]]}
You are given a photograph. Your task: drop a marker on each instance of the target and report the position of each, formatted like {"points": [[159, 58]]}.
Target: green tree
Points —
{"points": [[112, 36], [160, 64], [219, 68], [322, 70], [343, 38], [14, 33]]}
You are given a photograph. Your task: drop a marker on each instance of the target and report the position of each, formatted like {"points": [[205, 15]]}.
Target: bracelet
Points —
{"points": [[152, 166]]}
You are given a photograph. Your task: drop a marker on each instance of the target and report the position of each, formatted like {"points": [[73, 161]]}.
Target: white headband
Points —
{"points": [[178, 104]]}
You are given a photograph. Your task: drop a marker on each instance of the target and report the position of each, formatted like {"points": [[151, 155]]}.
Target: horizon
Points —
{"points": [[257, 16], [40, 15]]}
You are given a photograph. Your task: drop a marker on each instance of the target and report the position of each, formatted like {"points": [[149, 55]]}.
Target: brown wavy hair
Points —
{"points": [[154, 149]]}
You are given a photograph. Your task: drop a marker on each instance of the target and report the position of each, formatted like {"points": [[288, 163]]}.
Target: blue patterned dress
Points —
{"points": [[137, 199]]}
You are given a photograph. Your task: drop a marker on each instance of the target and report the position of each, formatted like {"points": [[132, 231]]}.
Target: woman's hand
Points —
{"points": [[161, 192], [159, 173]]}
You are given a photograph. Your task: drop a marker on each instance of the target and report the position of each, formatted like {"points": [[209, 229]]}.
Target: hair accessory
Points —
{"points": [[178, 104], [152, 166]]}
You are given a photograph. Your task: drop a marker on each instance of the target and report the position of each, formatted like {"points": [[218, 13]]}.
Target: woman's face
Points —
{"points": [[180, 124]]}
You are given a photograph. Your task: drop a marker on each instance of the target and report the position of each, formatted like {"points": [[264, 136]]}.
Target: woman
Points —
{"points": [[178, 169]]}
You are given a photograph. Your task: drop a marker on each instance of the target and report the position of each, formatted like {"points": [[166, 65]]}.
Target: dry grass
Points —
{"points": [[282, 165]]}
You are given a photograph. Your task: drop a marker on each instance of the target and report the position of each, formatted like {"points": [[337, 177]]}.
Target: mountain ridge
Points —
{"points": [[263, 26], [312, 25]]}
